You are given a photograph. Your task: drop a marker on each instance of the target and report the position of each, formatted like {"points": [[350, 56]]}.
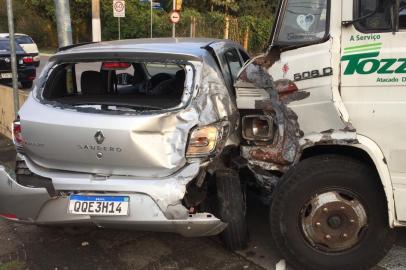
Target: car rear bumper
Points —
{"points": [[35, 206], [26, 74]]}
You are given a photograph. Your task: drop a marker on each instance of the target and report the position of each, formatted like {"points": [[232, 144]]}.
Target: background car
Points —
{"points": [[28, 45], [25, 64]]}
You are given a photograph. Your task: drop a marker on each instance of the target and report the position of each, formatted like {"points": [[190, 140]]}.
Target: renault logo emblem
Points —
{"points": [[7, 60], [99, 137]]}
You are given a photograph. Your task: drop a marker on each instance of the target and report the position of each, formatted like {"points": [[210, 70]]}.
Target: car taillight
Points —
{"points": [[28, 59], [115, 65], [205, 140], [17, 136]]}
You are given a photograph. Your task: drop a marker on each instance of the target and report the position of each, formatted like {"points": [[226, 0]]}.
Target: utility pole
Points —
{"points": [[13, 56], [63, 22], [227, 24], [151, 16], [226, 27], [96, 28], [173, 24]]}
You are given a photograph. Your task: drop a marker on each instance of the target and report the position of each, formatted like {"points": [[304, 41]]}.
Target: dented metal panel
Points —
{"points": [[305, 110], [159, 137]]}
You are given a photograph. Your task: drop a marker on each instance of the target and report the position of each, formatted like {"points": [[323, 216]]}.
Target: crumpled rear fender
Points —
{"points": [[17, 201]]}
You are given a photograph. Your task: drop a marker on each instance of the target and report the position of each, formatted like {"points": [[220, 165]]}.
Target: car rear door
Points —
{"points": [[230, 61]]}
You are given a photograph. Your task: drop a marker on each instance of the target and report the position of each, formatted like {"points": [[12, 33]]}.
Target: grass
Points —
{"points": [[13, 265]]}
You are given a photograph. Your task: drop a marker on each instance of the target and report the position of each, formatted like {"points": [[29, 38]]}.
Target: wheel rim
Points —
{"points": [[333, 221]]}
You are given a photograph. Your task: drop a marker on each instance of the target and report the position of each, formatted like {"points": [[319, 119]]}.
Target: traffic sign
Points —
{"points": [[119, 8], [175, 16]]}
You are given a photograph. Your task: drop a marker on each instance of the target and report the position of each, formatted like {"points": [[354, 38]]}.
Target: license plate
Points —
{"points": [[6, 75], [98, 205]]}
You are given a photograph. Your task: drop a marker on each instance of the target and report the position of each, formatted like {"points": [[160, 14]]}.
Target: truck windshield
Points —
{"points": [[302, 22]]}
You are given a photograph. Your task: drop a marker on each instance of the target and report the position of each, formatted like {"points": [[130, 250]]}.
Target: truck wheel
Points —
{"points": [[330, 212], [231, 209], [26, 85]]}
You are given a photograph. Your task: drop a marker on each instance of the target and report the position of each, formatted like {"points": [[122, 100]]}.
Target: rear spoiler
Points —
{"points": [[64, 48]]}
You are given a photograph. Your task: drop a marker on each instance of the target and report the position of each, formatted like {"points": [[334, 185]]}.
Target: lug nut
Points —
{"points": [[352, 221], [318, 224], [342, 207], [325, 209], [328, 237], [345, 235]]}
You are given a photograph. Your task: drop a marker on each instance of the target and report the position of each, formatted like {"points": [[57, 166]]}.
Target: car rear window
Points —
{"points": [[155, 68], [23, 40], [5, 46], [117, 85]]}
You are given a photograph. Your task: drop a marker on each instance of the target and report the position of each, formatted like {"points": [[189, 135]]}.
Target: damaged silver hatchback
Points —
{"points": [[132, 134]]}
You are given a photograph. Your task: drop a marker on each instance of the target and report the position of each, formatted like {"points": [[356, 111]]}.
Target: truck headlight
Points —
{"points": [[205, 140], [257, 127]]}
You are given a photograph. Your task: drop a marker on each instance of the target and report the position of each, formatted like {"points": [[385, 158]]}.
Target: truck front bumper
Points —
{"points": [[154, 205]]}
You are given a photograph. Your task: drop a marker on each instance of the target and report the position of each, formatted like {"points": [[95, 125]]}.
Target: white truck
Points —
{"points": [[324, 130]]}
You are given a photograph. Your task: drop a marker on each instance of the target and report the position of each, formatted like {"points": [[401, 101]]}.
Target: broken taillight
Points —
{"points": [[202, 141], [17, 136]]}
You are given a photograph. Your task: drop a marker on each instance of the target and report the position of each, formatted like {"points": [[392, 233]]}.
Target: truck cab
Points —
{"points": [[323, 129]]}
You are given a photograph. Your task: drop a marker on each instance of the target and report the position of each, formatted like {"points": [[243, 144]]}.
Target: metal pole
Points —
{"points": [[151, 16], [63, 22], [191, 26], [119, 29], [13, 56], [96, 28], [173, 24]]}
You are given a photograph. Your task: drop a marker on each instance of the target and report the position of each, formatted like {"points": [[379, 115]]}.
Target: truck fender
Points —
{"points": [[376, 155]]}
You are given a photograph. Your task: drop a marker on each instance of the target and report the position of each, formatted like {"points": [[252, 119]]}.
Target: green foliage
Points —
{"points": [[13, 265], [232, 5], [37, 18]]}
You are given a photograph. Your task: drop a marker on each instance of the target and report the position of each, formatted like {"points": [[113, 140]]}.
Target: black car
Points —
{"points": [[25, 64]]}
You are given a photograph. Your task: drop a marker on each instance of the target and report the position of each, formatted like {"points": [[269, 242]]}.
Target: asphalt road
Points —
{"points": [[32, 247]]}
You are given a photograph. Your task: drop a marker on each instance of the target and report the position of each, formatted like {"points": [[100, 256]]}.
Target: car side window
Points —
{"points": [[24, 40], [380, 21], [233, 63], [245, 57], [402, 14]]}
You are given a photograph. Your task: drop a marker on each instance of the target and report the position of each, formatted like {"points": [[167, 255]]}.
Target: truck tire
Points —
{"points": [[330, 212], [230, 208]]}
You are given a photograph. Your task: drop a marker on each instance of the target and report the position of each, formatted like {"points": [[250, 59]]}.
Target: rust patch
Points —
{"points": [[285, 146], [284, 150]]}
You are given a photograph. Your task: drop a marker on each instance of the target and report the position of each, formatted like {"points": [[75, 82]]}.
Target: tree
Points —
{"points": [[226, 5]]}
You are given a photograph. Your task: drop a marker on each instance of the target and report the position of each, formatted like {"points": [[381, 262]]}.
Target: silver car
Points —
{"points": [[132, 134]]}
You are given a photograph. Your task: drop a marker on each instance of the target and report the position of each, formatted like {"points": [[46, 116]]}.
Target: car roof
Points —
{"points": [[15, 34], [169, 46]]}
